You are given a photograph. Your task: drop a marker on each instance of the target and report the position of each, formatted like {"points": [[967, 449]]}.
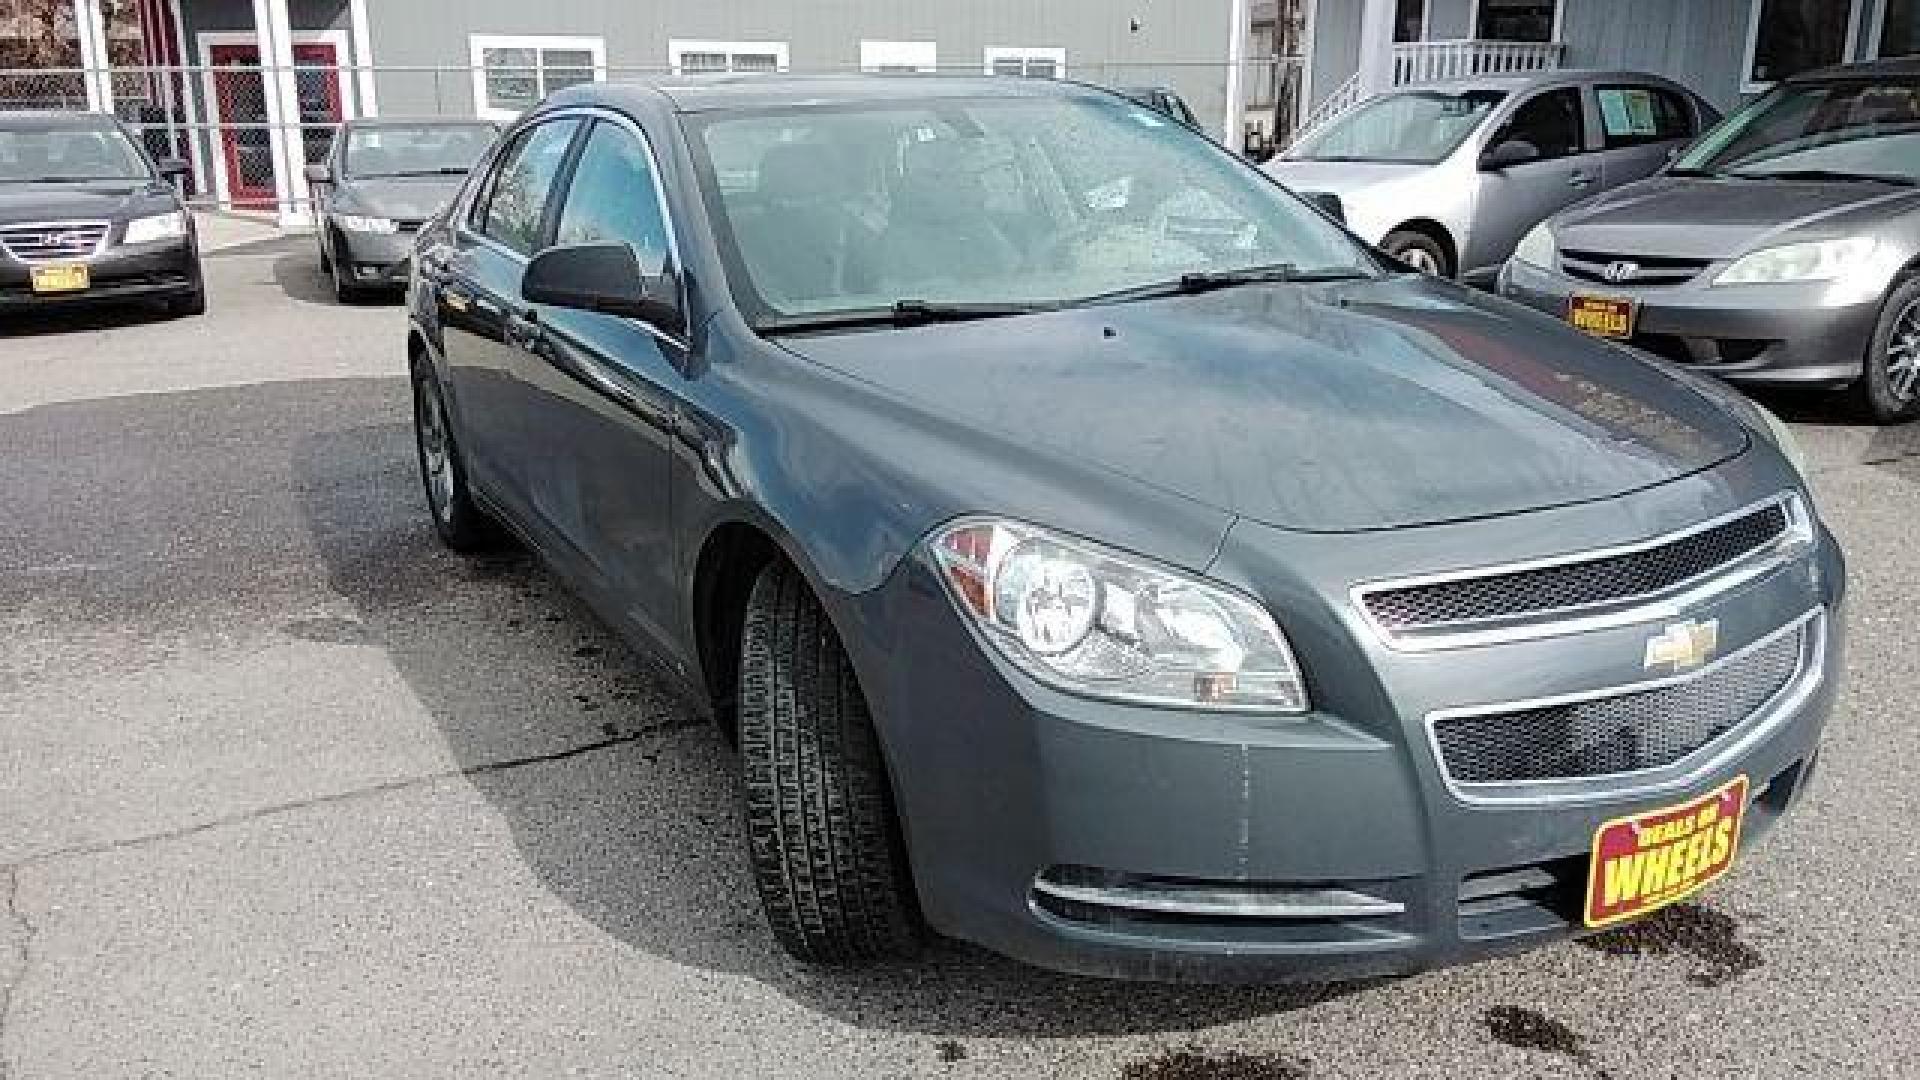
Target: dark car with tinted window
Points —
{"points": [[382, 179], [1130, 596], [86, 216]]}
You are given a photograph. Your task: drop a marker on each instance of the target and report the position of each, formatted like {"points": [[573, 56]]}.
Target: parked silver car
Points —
{"points": [[1449, 176]]}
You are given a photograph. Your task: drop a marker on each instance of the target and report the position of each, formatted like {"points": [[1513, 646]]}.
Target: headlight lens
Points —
{"points": [[1099, 623], [357, 223], [1785, 439], [1820, 260], [1537, 247], [152, 230]]}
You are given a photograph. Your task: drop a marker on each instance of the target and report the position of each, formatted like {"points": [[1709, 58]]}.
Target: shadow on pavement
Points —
{"points": [[620, 799], [79, 319]]}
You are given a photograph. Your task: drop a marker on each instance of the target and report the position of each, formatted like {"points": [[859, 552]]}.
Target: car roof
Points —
{"points": [[717, 93], [1908, 66], [37, 120], [1516, 83]]}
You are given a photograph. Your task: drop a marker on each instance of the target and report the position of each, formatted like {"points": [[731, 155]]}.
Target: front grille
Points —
{"points": [[1630, 732], [55, 242], [1647, 269], [1573, 585]]}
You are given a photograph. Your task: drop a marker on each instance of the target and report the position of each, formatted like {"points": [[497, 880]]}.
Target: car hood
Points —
{"points": [[1714, 219], [105, 201], [1332, 408], [406, 198]]}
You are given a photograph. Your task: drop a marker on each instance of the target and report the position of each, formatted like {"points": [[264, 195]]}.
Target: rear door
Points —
{"points": [[483, 317], [608, 388], [1515, 199], [1642, 125]]}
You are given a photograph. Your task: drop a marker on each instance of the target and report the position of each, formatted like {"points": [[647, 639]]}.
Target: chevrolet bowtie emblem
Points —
{"points": [[1683, 646]]}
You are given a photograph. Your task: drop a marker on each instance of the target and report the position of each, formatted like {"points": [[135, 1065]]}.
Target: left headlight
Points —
{"points": [[1103, 624], [1537, 248], [1819, 260], [159, 227], [363, 224]]}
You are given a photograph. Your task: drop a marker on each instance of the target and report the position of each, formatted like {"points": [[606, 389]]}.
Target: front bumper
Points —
{"points": [[1007, 789], [376, 259], [1762, 334], [118, 274]]}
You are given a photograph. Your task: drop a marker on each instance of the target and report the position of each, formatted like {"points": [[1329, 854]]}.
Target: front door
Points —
{"points": [[1565, 169], [240, 108]]}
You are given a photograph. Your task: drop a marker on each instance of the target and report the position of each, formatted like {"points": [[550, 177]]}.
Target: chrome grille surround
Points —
{"points": [[1592, 590], [1787, 665], [55, 241], [1649, 270]]}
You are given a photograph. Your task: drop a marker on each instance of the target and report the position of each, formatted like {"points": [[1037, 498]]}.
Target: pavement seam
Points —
{"points": [[10, 985], [385, 788]]}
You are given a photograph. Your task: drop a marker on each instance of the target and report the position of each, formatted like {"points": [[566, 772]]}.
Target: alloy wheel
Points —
{"points": [[1903, 354], [435, 455]]}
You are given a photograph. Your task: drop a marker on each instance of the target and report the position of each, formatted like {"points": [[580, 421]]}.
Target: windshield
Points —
{"points": [[1008, 201], [53, 155], [1418, 127], [1864, 127], [425, 150]]}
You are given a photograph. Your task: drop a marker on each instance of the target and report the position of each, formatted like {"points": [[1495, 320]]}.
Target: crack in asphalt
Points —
{"points": [[10, 984], [385, 788]]}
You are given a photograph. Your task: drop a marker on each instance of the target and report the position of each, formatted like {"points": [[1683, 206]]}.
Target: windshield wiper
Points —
{"points": [[902, 313], [1834, 175], [1287, 273]]}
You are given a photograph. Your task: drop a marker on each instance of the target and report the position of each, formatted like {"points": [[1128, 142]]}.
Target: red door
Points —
{"points": [[240, 103]]}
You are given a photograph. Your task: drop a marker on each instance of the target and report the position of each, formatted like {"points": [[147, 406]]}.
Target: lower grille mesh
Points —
{"points": [[1649, 729]]}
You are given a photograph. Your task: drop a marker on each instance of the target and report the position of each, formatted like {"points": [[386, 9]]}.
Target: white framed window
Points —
{"points": [[690, 57], [899, 56], [1027, 62], [514, 72], [1786, 37], [1515, 20]]}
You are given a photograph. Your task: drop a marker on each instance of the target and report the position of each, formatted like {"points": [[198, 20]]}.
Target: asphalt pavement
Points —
{"points": [[287, 790]]}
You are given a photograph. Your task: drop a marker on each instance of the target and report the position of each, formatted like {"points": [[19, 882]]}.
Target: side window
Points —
{"points": [[1554, 122], [1639, 115], [510, 212], [615, 197]]}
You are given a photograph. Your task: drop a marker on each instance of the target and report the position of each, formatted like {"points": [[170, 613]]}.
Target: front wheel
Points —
{"points": [[823, 840], [340, 273], [190, 304], [1889, 388], [1418, 251], [459, 521]]}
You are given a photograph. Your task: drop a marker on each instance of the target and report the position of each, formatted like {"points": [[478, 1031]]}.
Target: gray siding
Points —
{"points": [[1449, 20], [1700, 43], [1335, 45], [1180, 42]]}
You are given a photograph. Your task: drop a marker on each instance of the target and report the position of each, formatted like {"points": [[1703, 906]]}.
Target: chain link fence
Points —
{"points": [[220, 120]]}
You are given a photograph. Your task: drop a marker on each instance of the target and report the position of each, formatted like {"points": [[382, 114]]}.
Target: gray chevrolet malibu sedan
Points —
{"points": [[1784, 248], [1096, 554]]}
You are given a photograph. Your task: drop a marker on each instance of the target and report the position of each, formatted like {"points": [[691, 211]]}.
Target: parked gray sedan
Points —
{"points": [[1784, 248], [382, 180], [1449, 176]]}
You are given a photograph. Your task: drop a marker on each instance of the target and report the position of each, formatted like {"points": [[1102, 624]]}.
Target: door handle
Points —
{"points": [[1579, 180], [523, 330]]}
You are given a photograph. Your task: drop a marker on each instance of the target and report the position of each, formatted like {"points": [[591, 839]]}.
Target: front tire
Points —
{"points": [[190, 304], [459, 521], [1889, 388], [823, 839], [1419, 251], [340, 273]]}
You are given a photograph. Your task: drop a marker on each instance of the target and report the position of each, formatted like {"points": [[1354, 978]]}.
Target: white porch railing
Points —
{"points": [[1433, 61]]}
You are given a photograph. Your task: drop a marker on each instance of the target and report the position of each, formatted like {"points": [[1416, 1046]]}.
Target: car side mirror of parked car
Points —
{"points": [[604, 278], [1508, 154], [319, 174], [1327, 203], [173, 168]]}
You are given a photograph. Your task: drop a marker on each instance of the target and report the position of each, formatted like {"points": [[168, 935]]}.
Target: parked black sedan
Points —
{"points": [[86, 216], [384, 178], [1099, 555]]}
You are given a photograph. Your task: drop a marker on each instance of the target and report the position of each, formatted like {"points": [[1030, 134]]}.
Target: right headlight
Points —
{"points": [[1104, 624], [1537, 248]]}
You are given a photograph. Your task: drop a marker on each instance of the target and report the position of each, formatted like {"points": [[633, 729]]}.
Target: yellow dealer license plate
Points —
{"points": [[1605, 316], [61, 278], [1645, 862]]}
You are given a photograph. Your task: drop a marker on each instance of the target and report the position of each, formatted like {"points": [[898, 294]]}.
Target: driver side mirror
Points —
{"points": [[319, 174], [603, 278], [1507, 154], [1327, 203]]}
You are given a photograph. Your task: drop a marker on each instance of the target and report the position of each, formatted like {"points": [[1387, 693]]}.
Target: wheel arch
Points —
{"points": [[1438, 233]]}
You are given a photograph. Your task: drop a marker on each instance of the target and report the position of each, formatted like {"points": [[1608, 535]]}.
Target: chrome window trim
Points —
{"points": [[464, 218], [106, 234], [1689, 770], [1668, 603]]}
